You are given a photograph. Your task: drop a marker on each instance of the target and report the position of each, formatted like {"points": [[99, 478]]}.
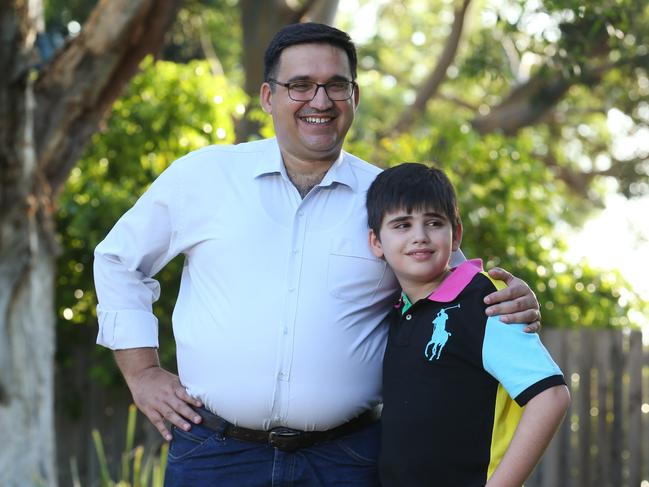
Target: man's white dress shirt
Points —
{"points": [[279, 318]]}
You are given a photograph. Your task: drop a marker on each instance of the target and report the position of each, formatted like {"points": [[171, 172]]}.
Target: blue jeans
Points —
{"points": [[203, 457]]}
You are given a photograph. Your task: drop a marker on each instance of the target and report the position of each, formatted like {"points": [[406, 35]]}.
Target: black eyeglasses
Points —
{"points": [[306, 90]]}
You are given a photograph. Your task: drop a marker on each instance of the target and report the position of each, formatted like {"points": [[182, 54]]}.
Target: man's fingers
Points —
{"points": [[181, 393], [182, 408], [177, 420], [505, 294], [160, 396], [512, 305], [529, 316], [533, 327], [500, 274], [158, 421]]}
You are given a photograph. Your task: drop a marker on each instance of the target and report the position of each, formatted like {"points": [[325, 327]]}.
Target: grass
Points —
{"points": [[137, 467]]}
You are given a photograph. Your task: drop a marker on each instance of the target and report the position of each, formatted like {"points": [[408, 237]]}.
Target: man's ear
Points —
{"points": [[375, 244], [457, 235], [357, 96], [266, 97]]}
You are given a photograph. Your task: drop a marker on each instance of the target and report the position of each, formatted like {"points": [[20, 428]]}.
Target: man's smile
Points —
{"points": [[316, 118]]}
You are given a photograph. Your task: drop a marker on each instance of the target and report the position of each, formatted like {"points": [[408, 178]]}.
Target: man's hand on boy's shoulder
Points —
{"points": [[516, 303]]}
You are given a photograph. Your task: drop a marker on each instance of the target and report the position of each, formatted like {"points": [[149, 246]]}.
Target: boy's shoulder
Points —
{"points": [[482, 284]]}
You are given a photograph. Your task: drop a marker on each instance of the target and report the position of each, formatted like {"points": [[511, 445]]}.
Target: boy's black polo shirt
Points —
{"points": [[449, 375]]}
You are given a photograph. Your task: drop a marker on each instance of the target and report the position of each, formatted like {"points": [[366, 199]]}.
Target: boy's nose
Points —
{"points": [[419, 234]]}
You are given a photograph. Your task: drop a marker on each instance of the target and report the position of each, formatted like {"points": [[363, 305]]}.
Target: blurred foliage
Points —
{"points": [[513, 203], [216, 23], [601, 48], [138, 468]]}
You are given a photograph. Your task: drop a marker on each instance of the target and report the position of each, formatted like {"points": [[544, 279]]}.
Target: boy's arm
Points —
{"points": [[540, 420]]}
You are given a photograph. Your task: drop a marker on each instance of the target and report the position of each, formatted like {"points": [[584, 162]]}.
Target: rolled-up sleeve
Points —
{"points": [[138, 246]]}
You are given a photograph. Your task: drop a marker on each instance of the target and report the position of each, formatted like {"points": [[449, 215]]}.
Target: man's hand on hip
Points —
{"points": [[157, 392], [516, 303]]}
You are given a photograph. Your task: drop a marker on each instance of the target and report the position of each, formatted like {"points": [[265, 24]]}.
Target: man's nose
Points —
{"points": [[321, 100]]}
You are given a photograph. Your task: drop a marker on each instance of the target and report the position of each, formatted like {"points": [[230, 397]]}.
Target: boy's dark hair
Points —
{"points": [[307, 33], [411, 186]]}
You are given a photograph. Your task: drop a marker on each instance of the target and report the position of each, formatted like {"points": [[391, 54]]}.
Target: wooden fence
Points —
{"points": [[604, 440]]}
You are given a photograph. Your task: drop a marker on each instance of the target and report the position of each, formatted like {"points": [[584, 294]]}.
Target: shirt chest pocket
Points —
{"points": [[353, 273]]}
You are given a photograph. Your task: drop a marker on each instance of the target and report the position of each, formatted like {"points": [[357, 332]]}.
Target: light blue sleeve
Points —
{"points": [[516, 359]]}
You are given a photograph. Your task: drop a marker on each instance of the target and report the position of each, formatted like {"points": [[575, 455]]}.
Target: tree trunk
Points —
{"points": [[46, 119], [27, 350], [260, 20]]}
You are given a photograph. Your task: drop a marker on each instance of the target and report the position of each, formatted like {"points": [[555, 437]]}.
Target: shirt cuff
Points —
{"points": [[524, 397], [127, 329]]}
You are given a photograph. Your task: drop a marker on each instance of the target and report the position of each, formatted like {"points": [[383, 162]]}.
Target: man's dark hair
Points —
{"points": [[413, 187], [307, 33]]}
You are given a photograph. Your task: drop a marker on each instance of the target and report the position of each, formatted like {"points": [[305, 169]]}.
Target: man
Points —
{"points": [[278, 322]]}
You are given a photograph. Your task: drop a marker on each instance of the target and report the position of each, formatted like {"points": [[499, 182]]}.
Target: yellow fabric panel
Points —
{"points": [[506, 418], [499, 284]]}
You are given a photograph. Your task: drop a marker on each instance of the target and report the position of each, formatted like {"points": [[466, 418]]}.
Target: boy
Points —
{"points": [[449, 372]]}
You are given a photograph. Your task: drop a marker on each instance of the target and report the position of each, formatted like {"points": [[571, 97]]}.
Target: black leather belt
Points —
{"points": [[287, 439]]}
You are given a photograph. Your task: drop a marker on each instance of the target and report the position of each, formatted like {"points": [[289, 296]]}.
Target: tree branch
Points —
{"points": [[525, 105], [216, 68], [457, 101], [299, 13], [528, 103], [429, 87], [322, 11], [81, 83]]}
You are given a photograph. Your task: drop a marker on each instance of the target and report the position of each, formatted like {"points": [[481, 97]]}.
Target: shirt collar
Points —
{"points": [[270, 161], [457, 280], [340, 172], [451, 287]]}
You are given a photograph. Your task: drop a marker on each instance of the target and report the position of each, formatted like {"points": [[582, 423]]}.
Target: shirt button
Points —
{"points": [[291, 289], [296, 251], [285, 330], [300, 213], [408, 317]]}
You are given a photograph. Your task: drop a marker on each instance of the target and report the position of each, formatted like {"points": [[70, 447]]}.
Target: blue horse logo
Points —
{"points": [[440, 336]]}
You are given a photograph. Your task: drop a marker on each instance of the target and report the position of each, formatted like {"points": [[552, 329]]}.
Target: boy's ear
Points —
{"points": [[375, 244], [457, 236]]}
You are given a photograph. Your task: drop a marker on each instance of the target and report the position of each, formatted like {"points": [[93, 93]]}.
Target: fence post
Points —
{"points": [[635, 408], [617, 359], [585, 368]]}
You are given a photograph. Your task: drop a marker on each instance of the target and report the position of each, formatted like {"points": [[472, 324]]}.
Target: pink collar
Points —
{"points": [[453, 285]]}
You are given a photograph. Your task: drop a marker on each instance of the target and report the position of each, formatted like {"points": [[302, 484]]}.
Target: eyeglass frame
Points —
{"points": [[317, 85]]}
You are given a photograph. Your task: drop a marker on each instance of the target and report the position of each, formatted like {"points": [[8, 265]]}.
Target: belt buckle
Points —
{"points": [[283, 438]]}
